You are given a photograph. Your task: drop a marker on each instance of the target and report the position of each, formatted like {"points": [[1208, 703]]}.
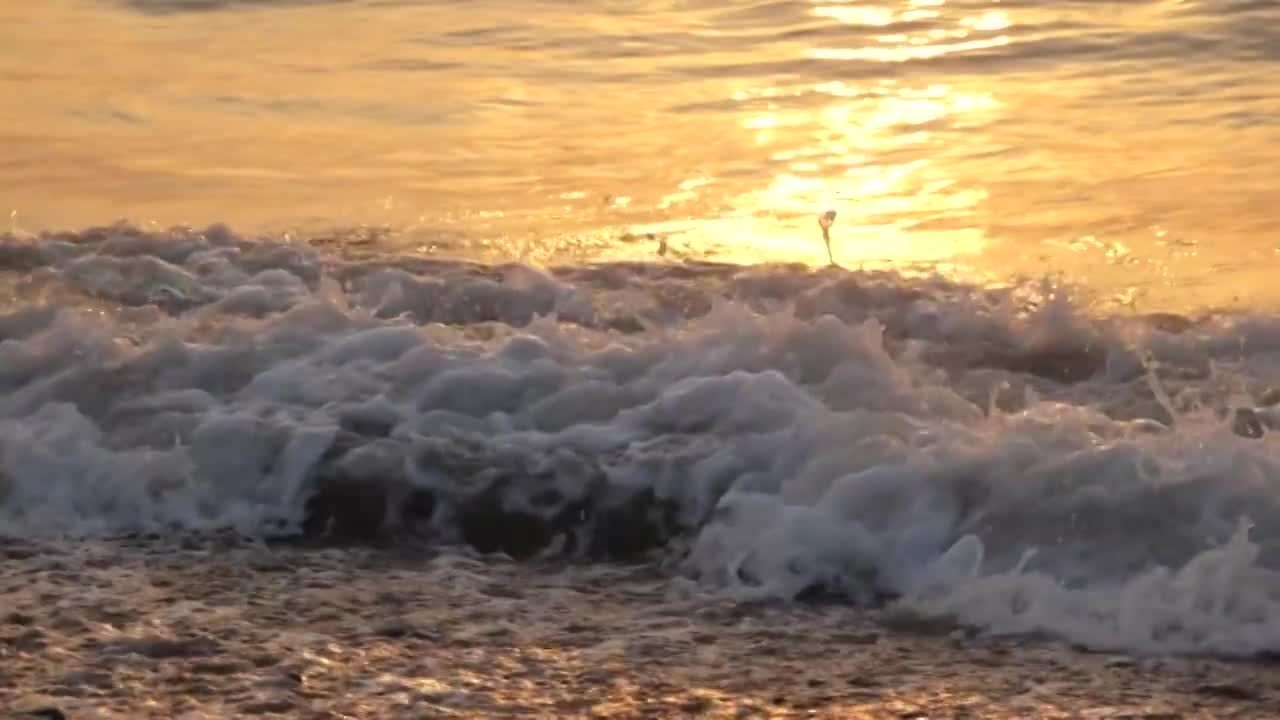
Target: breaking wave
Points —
{"points": [[1001, 457]]}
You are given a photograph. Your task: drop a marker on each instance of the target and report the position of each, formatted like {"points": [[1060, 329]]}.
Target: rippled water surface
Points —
{"points": [[1131, 145]]}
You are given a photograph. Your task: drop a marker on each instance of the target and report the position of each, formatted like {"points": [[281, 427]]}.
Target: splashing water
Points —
{"points": [[997, 456], [825, 221]]}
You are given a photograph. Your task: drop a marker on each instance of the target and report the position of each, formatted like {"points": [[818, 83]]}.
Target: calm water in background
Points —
{"points": [[1130, 145]]}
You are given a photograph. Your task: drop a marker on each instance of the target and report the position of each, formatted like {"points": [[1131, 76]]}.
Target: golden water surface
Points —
{"points": [[1131, 146]]}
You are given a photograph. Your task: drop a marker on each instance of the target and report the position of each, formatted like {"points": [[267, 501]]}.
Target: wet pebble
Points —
{"points": [[219, 667], [166, 648], [89, 678], [1229, 691], [28, 640], [267, 707]]}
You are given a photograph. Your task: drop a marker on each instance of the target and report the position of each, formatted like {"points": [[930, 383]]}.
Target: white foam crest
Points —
{"points": [[999, 456], [1220, 602]]}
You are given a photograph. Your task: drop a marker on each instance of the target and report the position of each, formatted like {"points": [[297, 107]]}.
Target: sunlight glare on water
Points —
{"points": [[1125, 145]]}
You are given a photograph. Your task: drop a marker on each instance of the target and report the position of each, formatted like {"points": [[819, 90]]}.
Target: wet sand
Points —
{"points": [[222, 629]]}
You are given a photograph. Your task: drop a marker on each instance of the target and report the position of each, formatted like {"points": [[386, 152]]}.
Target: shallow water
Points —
{"points": [[379, 334], [1127, 144]]}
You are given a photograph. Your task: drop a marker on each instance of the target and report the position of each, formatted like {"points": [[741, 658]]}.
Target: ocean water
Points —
{"points": [[550, 277]]}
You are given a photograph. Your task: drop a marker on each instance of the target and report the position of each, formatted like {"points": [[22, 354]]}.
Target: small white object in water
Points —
{"points": [[825, 221]]}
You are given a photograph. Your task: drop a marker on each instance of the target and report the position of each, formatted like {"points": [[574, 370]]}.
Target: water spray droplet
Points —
{"points": [[825, 221]]}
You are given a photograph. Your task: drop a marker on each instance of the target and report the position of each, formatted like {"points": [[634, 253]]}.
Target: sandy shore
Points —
{"points": [[209, 630]]}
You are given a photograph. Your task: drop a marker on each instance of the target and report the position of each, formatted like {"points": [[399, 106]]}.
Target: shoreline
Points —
{"points": [[173, 629]]}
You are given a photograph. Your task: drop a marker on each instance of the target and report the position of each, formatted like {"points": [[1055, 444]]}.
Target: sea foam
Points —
{"points": [[1004, 457]]}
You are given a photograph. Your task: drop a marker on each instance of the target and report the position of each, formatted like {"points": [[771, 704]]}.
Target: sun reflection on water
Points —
{"points": [[941, 131], [860, 148]]}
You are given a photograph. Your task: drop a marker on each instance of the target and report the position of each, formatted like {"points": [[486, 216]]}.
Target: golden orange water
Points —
{"points": [[1129, 146]]}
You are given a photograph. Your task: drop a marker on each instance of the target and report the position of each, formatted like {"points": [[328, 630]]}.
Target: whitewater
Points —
{"points": [[1003, 458]]}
